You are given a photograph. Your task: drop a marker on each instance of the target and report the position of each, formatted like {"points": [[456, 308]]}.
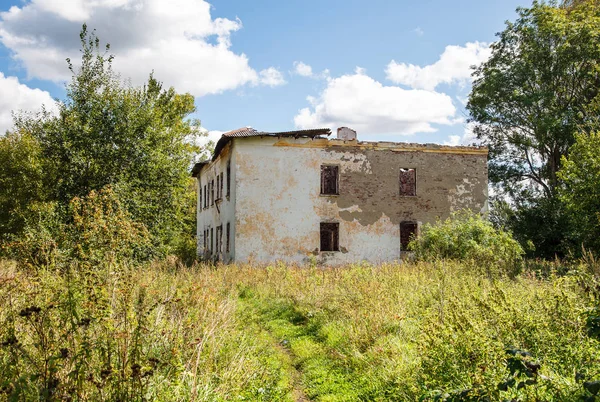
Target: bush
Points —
{"points": [[95, 229], [468, 237]]}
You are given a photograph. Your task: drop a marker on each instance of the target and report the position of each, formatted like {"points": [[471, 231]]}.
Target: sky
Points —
{"points": [[393, 70]]}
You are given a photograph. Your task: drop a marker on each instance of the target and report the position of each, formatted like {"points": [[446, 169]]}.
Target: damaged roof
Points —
{"points": [[244, 132]]}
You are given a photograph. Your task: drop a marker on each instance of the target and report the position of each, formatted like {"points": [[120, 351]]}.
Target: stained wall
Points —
{"points": [[279, 208]]}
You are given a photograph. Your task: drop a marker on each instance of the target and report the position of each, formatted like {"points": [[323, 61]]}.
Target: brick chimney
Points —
{"points": [[346, 134]]}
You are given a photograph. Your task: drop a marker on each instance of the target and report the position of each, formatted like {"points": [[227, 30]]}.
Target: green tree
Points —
{"points": [[21, 179], [138, 140], [580, 192], [539, 87]]}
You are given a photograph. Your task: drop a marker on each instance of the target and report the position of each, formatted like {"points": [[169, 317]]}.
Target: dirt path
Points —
{"points": [[298, 393]]}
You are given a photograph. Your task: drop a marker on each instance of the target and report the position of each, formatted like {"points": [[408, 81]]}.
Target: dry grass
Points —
{"points": [[362, 332]]}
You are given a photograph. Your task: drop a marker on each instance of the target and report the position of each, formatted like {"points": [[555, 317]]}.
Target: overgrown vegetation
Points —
{"points": [[470, 238], [418, 331], [136, 142]]}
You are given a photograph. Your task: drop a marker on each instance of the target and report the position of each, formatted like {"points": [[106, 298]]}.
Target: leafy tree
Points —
{"points": [[138, 140], [21, 179], [539, 87], [580, 192]]}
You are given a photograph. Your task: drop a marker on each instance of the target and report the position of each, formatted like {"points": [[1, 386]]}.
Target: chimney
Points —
{"points": [[346, 134]]}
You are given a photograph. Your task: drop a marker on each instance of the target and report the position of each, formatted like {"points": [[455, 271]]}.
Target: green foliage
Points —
{"points": [[102, 231], [580, 192], [138, 140], [539, 88], [21, 180], [410, 331], [94, 230], [468, 237]]}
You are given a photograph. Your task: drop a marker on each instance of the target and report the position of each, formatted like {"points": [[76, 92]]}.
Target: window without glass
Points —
{"points": [[211, 240], [205, 197], [228, 178], [330, 236], [218, 194], [212, 192], [329, 179], [227, 238], [408, 182], [221, 186], [408, 230], [219, 238]]}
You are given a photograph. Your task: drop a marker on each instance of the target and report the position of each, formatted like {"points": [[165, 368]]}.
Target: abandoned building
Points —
{"points": [[300, 196]]}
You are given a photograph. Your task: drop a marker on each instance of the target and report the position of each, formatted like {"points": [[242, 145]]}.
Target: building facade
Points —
{"points": [[300, 196]]}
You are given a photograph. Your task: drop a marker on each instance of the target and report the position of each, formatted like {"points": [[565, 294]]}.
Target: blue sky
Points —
{"points": [[393, 70]]}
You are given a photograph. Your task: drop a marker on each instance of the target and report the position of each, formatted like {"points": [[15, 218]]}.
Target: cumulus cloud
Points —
{"points": [[303, 69], [178, 40], [453, 66], [19, 97], [358, 101], [271, 77]]}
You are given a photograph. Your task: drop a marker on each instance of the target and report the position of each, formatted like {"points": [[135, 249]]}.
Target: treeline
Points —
{"points": [[111, 168], [536, 104]]}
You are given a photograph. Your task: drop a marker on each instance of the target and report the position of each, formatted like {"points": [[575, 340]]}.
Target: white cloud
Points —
{"points": [[271, 77], [418, 31], [19, 97], [178, 40], [303, 69], [360, 102], [453, 66], [468, 137]]}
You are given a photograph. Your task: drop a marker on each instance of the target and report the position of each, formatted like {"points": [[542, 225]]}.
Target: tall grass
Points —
{"points": [[429, 331]]}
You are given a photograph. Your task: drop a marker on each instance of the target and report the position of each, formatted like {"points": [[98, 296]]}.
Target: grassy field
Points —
{"points": [[419, 331]]}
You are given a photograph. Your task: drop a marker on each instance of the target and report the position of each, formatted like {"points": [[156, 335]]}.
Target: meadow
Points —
{"points": [[436, 330]]}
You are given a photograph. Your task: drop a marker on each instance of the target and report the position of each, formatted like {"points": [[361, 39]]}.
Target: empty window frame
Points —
{"points": [[408, 182], [227, 244], [200, 194], [330, 236], [330, 180], [228, 178], [219, 245], [205, 197], [211, 240], [212, 192], [218, 187], [408, 230], [221, 186]]}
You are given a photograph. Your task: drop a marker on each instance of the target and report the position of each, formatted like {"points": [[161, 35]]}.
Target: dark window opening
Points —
{"points": [[228, 178], [212, 192], [205, 197], [200, 194], [330, 236], [221, 186], [329, 179], [408, 230], [227, 239], [218, 193], [211, 240], [219, 238], [408, 182]]}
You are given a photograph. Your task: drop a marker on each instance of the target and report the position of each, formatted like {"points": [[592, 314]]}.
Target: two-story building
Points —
{"points": [[298, 196]]}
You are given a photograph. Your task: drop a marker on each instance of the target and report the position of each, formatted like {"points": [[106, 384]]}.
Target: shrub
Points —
{"points": [[468, 237], [94, 230]]}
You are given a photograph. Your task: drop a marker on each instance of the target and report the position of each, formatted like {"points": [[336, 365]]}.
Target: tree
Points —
{"points": [[539, 87], [580, 192], [138, 140]]}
